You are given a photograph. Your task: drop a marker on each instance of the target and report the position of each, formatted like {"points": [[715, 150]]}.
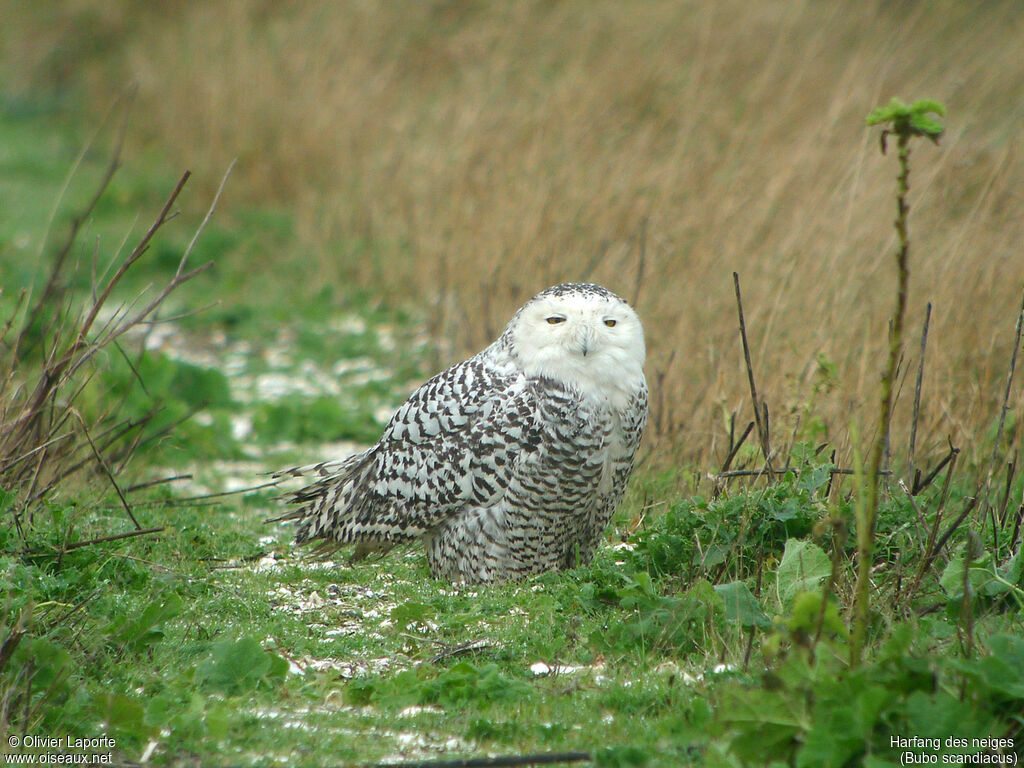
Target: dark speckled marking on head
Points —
{"points": [[585, 289]]}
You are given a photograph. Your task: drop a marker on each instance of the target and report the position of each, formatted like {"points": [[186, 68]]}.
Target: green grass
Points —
{"points": [[194, 632]]}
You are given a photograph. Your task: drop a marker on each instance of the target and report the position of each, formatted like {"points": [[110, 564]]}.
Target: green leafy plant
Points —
{"points": [[242, 666], [804, 568], [733, 535], [655, 622], [904, 122], [461, 684]]}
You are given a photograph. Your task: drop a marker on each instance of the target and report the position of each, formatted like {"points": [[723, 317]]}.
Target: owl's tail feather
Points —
{"points": [[323, 470], [322, 506]]}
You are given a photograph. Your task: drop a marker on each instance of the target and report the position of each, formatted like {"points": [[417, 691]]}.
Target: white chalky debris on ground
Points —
{"points": [[416, 709], [241, 426], [348, 324], [542, 669], [279, 377]]}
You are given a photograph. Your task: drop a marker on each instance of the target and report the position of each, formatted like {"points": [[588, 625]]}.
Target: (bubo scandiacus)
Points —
{"points": [[507, 464]]}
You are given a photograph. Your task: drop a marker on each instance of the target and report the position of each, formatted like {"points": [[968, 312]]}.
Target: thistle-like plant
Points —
{"points": [[904, 122]]}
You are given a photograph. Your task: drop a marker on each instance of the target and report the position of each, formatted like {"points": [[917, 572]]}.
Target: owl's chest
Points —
{"points": [[576, 442], [579, 439]]}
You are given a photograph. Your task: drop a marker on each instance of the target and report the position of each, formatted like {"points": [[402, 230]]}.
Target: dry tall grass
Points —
{"points": [[461, 156]]}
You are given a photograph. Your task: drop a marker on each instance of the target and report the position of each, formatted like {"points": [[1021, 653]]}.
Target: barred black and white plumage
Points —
{"points": [[507, 464]]}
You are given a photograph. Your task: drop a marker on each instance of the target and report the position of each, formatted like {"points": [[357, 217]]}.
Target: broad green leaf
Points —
{"points": [[803, 568], [120, 714], [939, 715], [741, 605], [952, 580], [404, 614], [844, 722], [239, 667]]}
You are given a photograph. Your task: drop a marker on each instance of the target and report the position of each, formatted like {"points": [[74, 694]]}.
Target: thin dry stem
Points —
{"points": [[760, 408], [38, 448], [915, 417], [113, 537]]}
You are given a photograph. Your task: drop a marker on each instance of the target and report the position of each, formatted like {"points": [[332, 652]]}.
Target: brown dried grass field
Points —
{"points": [[458, 157]]}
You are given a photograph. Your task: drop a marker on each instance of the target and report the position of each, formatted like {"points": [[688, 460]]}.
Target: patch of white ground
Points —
{"points": [[265, 374]]}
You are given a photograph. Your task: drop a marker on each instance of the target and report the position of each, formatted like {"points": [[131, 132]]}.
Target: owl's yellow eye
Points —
{"points": [[610, 323], [555, 320]]}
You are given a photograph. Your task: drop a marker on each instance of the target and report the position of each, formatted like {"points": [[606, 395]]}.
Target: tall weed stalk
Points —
{"points": [[904, 122]]}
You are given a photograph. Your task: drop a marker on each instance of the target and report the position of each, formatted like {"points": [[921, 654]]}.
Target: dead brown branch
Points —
{"points": [[917, 392], [760, 407], [44, 438], [114, 537]]}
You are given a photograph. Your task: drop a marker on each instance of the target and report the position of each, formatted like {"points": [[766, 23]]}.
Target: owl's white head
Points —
{"points": [[581, 335]]}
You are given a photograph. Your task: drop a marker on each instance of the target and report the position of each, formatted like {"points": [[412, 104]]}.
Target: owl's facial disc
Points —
{"points": [[575, 336], [574, 325]]}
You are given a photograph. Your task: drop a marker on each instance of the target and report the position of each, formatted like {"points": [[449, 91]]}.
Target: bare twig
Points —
{"points": [[134, 256], [762, 427], [1006, 394], [917, 392], [794, 470], [944, 539], [106, 470], [831, 477], [13, 638], [160, 481], [77, 221], [919, 484], [35, 477], [38, 449], [1016, 527], [1011, 471], [58, 370], [72, 468], [971, 553], [458, 649], [22, 295], [13, 462], [930, 545], [209, 496], [735, 448], [129, 322], [996, 447], [113, 537]]}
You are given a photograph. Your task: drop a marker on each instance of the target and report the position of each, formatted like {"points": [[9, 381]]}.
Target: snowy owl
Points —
{"points": [[507, 464]]}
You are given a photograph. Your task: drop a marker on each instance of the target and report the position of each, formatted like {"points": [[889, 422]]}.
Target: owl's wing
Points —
{"points": [[454, 443]]}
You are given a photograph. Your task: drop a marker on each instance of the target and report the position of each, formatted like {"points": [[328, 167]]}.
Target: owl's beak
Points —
{"points": [[586, 341]]}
